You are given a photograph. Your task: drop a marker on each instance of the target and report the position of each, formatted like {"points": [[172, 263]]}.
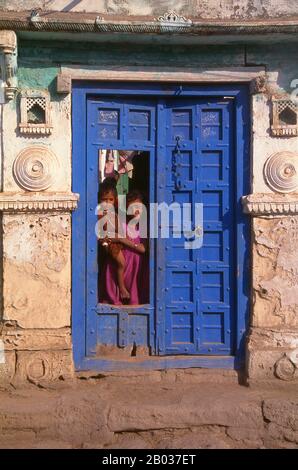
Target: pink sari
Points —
{"points": [[136, 278]]}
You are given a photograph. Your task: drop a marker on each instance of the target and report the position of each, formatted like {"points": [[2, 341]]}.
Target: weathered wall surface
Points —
{"points": [[194, 8], [36, 247]]}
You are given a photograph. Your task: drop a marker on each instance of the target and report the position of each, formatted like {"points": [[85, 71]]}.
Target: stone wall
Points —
{"points": [[207, 9], [36, 243]]}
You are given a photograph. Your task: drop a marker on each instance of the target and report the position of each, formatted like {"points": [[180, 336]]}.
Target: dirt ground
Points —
{"points": [[195, 409]]}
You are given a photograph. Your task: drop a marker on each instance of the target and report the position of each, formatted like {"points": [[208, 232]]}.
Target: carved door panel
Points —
{"points": [[197, 286]]}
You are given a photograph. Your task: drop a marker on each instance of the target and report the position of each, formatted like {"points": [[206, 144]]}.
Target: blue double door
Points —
{"points": [[192, 160]]}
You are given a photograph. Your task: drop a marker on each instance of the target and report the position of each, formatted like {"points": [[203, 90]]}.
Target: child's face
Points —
{"points": [[108, 198], [136, 208], [110, 158]]}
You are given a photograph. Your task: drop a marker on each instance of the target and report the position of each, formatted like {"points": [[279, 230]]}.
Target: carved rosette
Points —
{"points": [[284, 368], [40, 367], [281, 172], [34, 168]]}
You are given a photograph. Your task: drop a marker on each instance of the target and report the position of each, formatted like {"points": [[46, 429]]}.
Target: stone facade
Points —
{"points": [[36, 199], [207, 9]]}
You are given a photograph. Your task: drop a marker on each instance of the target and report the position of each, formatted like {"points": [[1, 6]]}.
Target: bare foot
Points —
{"points": [[124, 294]]}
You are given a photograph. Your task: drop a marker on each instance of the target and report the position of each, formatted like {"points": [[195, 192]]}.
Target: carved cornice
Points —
{"points": [[267, 204], [78, 22], [38, 202], [8, 47]]}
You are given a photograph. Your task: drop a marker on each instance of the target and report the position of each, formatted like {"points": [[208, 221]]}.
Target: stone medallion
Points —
{"points": [[34, 168], [281, 172]]}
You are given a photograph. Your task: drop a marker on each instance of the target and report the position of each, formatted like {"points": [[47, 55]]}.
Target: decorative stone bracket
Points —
{"points": [[38, 202], [270, 205], [8, 48]]}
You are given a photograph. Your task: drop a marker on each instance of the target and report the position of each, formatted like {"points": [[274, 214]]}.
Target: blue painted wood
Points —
{"points": [[199, 289], [161, 363], [120, 124], [225, 328]]}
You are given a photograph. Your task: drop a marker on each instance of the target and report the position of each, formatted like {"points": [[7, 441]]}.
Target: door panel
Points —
{"points": [[126, 124], [198, 284]]}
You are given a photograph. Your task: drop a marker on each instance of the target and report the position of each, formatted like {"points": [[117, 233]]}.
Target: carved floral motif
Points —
{"points": [[172, 18]]}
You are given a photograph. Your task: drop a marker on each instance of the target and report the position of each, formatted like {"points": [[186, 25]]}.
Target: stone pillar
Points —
{"points": [[35, 208], [272, 344], [35, 327], [272, 348]]}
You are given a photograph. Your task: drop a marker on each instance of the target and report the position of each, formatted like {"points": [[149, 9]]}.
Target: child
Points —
{"points": [[108, 200], [135, 266]]}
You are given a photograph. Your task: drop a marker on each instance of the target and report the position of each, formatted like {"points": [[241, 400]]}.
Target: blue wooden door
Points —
{"points": [[198, 303], [123, 124], [196, 286]]}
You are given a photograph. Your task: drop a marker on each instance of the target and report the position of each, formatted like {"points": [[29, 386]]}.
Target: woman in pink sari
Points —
{"points": [[136, 272]]}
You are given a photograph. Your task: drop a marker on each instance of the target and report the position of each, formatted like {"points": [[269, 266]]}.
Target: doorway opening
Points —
{"points": [[123, 196]]}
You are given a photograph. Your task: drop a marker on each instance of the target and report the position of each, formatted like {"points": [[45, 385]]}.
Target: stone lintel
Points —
{"points": [[270, 204], [38, 202], [158, 74]]}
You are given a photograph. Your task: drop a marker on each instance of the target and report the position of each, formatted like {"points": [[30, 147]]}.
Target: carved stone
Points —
{"points": [[35, 340], [40, 367], [284, 120], [29, 101], [172, 18], [8, 46], [285, 369], [38, 202], [34, 168], [270, 204], [281, 172]]}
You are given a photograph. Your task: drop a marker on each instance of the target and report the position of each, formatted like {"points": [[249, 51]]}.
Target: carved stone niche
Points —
{"points": [[284, 117], [35, 113]]}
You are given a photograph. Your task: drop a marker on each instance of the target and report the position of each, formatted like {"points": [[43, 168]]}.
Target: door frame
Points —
{"points": [[80, 92]]}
